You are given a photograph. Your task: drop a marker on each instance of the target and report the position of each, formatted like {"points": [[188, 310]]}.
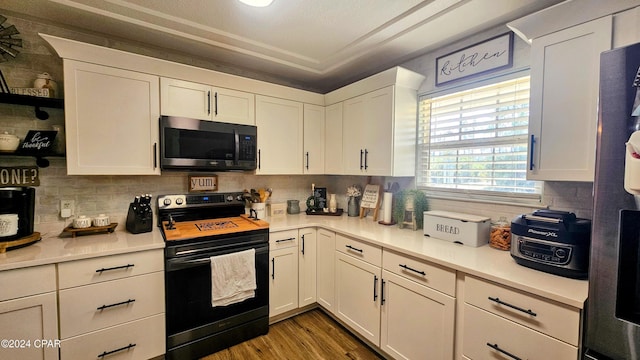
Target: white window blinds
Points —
{"points": [[475, 141]]}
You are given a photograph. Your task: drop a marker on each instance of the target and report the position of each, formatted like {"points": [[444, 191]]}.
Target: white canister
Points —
{"points": [[101, 220], [45, 81], [8, 225], [260, 209], [81, 222]]}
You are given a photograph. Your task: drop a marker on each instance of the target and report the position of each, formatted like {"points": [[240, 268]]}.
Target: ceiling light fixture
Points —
{"points": [[257, 3]]}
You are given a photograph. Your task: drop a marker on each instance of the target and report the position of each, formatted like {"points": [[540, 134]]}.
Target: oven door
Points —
{"points": [[189, 313]]}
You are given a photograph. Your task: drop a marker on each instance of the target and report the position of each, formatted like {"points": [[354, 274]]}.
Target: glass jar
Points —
{"points": [[500, 237], [293, 206]]}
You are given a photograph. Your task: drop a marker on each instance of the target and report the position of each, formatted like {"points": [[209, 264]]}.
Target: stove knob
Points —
{"points": [[179, 201], [167, 202], [229, 198], [239, 198]]}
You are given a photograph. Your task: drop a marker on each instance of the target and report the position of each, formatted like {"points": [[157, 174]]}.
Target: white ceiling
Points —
{"points": [[313, 44]]}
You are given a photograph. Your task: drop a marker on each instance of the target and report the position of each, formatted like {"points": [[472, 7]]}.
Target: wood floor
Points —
{"points": [[309, 336]]}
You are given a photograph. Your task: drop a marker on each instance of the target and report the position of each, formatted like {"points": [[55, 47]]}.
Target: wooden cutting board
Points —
{"points": [[199, 228], [18, 243]]}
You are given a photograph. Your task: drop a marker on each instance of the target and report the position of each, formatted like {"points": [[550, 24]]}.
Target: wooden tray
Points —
{"points": [[337, 213], [90, 230], [18, 243]]}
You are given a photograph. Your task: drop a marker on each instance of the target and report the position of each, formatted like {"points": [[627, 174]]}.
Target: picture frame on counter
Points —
{"points": [[478, 59]]}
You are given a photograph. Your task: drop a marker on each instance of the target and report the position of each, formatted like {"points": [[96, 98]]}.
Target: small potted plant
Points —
{"points": [[409, 208]]}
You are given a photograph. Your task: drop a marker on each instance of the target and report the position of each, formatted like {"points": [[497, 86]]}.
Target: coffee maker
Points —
{"points": [[16, 212]]}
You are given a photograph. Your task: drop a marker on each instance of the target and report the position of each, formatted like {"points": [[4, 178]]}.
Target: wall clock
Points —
{"points": [[8, 43]]}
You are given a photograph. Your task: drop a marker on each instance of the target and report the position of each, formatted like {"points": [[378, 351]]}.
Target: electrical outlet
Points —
{"points": [[67, 208]]}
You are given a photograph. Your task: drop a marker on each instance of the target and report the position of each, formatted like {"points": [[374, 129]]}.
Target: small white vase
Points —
{"points": [[333, 204]]}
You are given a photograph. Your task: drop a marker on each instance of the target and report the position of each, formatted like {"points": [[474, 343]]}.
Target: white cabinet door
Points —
{"points": [[233, 106], [358, 296], [417, 322], [333, 140], [111, 118], [314, 139], [307, 261], [352, 135], [564, 98], [280, 136], [185, 99], [26, 320], [283, 284], [326, 269], [377, 132]]}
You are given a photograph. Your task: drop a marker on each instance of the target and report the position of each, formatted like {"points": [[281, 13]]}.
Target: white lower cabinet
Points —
{"points": [[283, 272], [307, 260], [118, 312], [500, 322], [326, 269]]}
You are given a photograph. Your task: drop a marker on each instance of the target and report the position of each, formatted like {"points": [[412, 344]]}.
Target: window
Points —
{"points": [[474, 143]]}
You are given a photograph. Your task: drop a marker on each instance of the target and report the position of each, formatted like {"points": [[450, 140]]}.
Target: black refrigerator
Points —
{"points": [[612, 326]]}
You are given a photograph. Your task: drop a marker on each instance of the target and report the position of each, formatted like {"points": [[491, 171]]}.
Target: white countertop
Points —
{"points": [[55, 249], [485, 261]]}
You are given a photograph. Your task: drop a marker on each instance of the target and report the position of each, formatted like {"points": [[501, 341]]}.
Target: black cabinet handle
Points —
{"points": [[411, 269], [116, 350], [533, 141], [497, 348], [366, 155], [273, 268], [302, 244], [209, 102], [375, 288], [259, 159], [287, 239], [215, 99], [382, 292], [354, 249], [500, 302], [100, 308], [115, 268], [155, 155], [307, 166], [361, 153]]}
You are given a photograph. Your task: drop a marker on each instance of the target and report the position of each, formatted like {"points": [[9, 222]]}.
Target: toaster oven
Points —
{"points": [[552, 241]]}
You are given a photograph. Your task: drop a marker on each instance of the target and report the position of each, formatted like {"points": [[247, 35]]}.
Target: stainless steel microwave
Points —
{"points": [[201, 145]]}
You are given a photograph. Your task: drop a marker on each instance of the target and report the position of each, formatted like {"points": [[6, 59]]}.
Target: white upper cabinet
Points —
{"points": [[564, 101], [333, 164], [280, 136], [378, 116], [314, 135], [205, 102], [111, 118]]}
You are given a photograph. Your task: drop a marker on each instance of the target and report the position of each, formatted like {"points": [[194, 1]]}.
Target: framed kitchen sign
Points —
{"points": [[481, 58], [203, 183]]}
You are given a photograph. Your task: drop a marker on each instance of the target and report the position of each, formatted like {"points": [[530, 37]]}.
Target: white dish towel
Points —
{"points": [[233, 277]]}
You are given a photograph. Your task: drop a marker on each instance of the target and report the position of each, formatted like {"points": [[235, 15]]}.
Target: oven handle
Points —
{"points": [[246, 245], [205, 258]]}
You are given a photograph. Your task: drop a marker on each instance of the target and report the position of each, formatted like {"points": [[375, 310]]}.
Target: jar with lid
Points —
{"points": [[500, 237], [293, 206]]}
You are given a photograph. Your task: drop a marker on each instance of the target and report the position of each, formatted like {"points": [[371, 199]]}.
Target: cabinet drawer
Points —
{"points": [[148, 336], [89, 271], [431, 275], [283, 239], [554, 319], [32, 280], [484, 333], [81, 308], [359, 249]]}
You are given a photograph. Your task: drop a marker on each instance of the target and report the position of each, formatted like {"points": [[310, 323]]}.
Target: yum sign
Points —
{"points": [[19, 176]]}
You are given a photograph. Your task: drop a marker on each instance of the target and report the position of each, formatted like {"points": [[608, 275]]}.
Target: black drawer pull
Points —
{"points": [[273, 268], [115, 268], [354, 249], [497, 300], [382, 292], [375, 288], [116, 304], [116, 350], [302, 244], [411, 269], [289, 239], [497, 348]]}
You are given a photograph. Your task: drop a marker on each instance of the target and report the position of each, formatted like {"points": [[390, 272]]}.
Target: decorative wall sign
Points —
{"points": [[19, 176], [203, 183], [38, 142], [490, 55], [8, 43]]}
